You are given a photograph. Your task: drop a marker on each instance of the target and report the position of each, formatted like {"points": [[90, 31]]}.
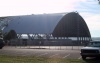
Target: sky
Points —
{"points": [[88, 9]]}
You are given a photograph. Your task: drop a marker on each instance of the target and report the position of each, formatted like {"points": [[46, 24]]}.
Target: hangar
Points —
{"points": [[59, 27]]}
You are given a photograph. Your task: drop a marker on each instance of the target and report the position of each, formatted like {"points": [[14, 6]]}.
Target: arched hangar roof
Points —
{"points": [[59, 24], [39, 23], [71, 25]]}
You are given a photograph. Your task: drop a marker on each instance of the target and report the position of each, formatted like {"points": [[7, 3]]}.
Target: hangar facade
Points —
{"points": [[73, 25], [55, 28]]}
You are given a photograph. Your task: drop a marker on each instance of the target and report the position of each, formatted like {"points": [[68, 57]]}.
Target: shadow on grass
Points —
{"points": [[92, 60]]}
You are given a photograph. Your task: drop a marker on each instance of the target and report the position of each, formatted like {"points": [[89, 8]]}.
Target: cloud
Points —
{"points": [[15, 7], [93, 22], [90, 11], [89, 6]]}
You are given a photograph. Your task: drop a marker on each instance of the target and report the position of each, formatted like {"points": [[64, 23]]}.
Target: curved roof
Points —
{"points": [[41, 23], [71, 25], [59, 24]]}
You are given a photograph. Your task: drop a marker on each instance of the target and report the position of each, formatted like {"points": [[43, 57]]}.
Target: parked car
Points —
{"points": [[1, 43], [92, 50]]}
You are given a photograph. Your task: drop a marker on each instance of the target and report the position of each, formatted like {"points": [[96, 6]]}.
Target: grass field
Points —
{"points": [[25, 59]]}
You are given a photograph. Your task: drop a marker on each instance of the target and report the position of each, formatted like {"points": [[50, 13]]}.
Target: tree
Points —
{"points": [[10, 35]]}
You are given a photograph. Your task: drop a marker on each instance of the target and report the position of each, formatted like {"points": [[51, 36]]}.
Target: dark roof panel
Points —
{"points": [[71, 25]]}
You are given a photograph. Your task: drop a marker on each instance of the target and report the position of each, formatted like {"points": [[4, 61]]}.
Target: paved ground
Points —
{"points": [[52, 52]]}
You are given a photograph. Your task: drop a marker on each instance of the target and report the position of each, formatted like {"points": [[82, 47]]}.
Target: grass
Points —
{"points": [[25, 59]]}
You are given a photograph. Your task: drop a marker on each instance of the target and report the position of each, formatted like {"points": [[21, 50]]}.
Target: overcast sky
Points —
{"points": [[88, 9]]}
